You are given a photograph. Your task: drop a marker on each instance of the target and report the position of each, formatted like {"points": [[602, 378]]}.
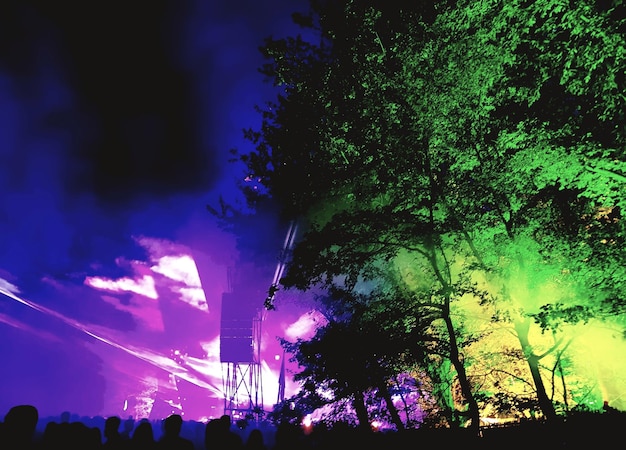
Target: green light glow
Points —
{"points": [[588, 353], [472, 167]]}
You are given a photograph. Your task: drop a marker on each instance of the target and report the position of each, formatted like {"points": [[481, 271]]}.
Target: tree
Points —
{"points": [[487, 159], [522, 169], [358, 353]]}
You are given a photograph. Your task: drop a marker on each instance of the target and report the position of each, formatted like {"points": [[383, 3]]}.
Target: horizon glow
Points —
{"points": [[172, 350]]}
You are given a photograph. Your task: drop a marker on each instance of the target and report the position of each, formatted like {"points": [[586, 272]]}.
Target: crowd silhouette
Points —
{"points": [[23, 429]]}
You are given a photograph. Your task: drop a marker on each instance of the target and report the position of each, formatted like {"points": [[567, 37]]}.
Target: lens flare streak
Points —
{"points": [[156, 360]]}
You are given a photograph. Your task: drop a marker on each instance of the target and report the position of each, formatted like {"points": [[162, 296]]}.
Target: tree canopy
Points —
{"points": [[467, 161]]}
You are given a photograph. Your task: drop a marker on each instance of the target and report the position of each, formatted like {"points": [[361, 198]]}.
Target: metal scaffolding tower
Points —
{"points": [[243, 387], [240, 340], [240, 354]]}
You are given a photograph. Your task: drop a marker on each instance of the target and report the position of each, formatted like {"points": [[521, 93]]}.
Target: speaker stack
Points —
{"points": [[236, 332]]}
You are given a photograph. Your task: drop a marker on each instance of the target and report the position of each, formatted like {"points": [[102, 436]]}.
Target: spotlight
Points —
{"points": [[307, 424]]}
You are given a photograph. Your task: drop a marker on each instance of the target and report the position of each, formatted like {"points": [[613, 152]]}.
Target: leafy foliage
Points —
{"points": [[472, 154]]}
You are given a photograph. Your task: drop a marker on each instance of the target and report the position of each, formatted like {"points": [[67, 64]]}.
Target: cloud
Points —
{"points": [[143, 285], [178, 268], [8, 287], [175, 272]]}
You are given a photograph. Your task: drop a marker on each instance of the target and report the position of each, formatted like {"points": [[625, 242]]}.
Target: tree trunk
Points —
{"points": [[546, 405], [361, 410], [459, 366], [393, 411]]}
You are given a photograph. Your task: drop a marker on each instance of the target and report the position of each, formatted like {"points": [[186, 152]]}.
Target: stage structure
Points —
{"points": [[243, 312], [240, 352]]}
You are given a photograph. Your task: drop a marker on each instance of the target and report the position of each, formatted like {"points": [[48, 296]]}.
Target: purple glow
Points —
{"points": [[109, 262], [174, 335], [305, 326]]}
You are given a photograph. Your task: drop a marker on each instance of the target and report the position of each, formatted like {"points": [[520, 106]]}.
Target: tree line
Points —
{"points": [[458, 171]]}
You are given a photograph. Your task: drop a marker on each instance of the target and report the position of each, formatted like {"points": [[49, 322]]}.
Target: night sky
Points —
{"points": [[116, 119]]}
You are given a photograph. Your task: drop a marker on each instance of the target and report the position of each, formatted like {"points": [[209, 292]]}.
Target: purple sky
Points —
{"points": [[115, 125]]}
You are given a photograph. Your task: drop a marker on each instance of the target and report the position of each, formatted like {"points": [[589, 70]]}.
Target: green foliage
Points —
{"points": [[507, 405], [481, 146], [554, 314]]}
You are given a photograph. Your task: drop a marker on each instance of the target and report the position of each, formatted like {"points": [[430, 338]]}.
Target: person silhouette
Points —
{"points": [[18, 431], [232, 440], [65, 417], [127, 427], [211, 434], [143, 436], [113, 438], [171, 439], [219, 436], [608, 408], [255, 441]]}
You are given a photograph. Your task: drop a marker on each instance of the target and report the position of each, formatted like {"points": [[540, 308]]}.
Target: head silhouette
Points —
{"points": [[172, 425], [112, 427], [225, 421], [20, 422], [143, 432]]}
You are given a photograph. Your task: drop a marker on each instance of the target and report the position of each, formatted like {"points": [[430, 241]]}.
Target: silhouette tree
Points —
{"points": [[468, 151]]}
